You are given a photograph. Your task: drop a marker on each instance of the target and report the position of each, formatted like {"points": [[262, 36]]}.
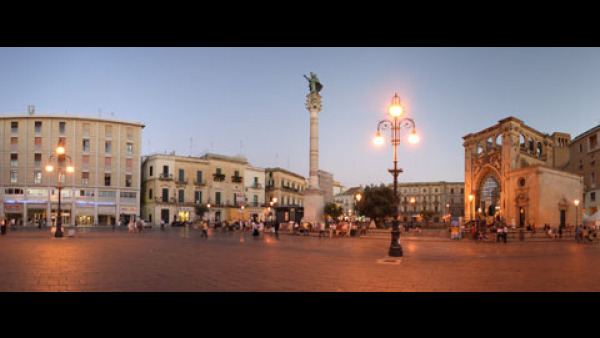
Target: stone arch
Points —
{"points": [[488, 191], [498, 140]]}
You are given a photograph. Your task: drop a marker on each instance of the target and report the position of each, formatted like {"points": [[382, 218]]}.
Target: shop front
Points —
{"points": [[106, 215], [14, 211], [84, 216]]}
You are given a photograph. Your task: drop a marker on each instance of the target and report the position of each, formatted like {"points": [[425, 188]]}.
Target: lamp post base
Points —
{"points": [[395, 247], [58, 233]]}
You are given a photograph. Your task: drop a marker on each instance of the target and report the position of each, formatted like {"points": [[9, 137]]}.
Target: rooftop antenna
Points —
{"points": [[31, 110]]}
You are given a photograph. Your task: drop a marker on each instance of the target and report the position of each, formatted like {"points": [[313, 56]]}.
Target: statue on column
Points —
{"points": [[314, 84]]}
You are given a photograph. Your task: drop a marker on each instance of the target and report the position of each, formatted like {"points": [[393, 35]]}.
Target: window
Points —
{"points": [[86, 145], [14, 127], [129, 149], [14, 177], [38, 126], [37, 160], [181, 195], [86, 129], [128, 181], [198, 197], [85, 161], [150, 194], [165, 195], [593, 197], [128, 194], [151, 171], [218, 198], [37, 177], [14, 160], [181, 175], [85, 178], [107, 180], [199, 176], [108, 147], [593, 142], [62, 128], [107, 194]]}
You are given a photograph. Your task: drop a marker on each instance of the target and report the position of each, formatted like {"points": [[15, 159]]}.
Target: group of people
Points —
{"points": [[585, 233], [491, 225], [5, 225]]}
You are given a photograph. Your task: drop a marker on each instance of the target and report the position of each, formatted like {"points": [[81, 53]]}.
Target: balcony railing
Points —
{"points": [[219, 177], [165, 176], [236, 179]]}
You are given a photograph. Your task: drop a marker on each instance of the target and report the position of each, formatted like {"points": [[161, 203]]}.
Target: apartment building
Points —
{"points": [[174, 185], [439, 199], [105, 153], [585, 152]]}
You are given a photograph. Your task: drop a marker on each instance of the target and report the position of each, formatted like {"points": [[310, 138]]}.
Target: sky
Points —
{"points": [[251, 101]]}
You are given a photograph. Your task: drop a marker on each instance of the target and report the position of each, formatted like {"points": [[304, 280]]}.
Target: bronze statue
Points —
{"points": [[314, 84]]}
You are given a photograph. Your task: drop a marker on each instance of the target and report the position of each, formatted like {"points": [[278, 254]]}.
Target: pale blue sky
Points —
{"points": [[251, 100]]}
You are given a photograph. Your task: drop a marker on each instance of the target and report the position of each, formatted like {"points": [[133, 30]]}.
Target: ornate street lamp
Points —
{"points": [[60, 159], [396, 110]]}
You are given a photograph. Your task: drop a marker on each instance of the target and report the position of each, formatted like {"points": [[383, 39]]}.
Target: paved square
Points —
{"points": [[179, 260]]}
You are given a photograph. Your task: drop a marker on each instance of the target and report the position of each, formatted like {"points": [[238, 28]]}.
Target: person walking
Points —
{"points": [[276, 229], [3, 225], [204, 233], [322, 229], [131, 226]]}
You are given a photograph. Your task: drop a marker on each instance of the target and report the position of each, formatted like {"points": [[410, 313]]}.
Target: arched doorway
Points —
{"points": [[489, 197]]}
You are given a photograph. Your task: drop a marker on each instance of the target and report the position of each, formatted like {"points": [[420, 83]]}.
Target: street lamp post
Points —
{"points": [[576, 202], [471, 199], [60, 159], [396, 110]]}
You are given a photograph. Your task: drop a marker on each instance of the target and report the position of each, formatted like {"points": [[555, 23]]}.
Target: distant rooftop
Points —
{"points": [[67, 115]]}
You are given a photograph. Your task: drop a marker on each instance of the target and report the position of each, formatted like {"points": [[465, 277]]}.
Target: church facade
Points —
{"points": [[519, 174]]}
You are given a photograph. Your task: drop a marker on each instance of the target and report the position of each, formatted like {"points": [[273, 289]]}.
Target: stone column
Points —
{"points": [[313, 196]]}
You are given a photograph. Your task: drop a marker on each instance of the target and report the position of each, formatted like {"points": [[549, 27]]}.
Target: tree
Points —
{"points": [[201, 209], [377, 203], [333, 210]]}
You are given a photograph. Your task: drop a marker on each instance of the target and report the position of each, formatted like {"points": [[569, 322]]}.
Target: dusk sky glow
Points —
{"points": [[251, 100]]}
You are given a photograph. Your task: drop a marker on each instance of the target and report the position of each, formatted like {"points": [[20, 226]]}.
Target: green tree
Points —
{"points": [[201, 209], [377, 203], [333, 210]]}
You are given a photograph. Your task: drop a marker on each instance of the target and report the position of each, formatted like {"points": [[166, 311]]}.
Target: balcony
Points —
{"points": [[165, 177], [237, 179], [219, 177], [181, 181], [199, 183]]}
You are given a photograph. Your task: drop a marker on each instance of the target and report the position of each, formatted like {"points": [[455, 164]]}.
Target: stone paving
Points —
{"points": [[178, 260]]}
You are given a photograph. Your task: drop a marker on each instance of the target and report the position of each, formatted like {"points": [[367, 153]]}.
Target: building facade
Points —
{"points": [[286, 186], [105, 153], [585, 151], [174, 185], [437, 200], [517, 173], [347, 200]]}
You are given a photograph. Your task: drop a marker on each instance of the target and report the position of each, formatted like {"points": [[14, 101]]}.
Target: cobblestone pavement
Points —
{"points": [[179, 260]]}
